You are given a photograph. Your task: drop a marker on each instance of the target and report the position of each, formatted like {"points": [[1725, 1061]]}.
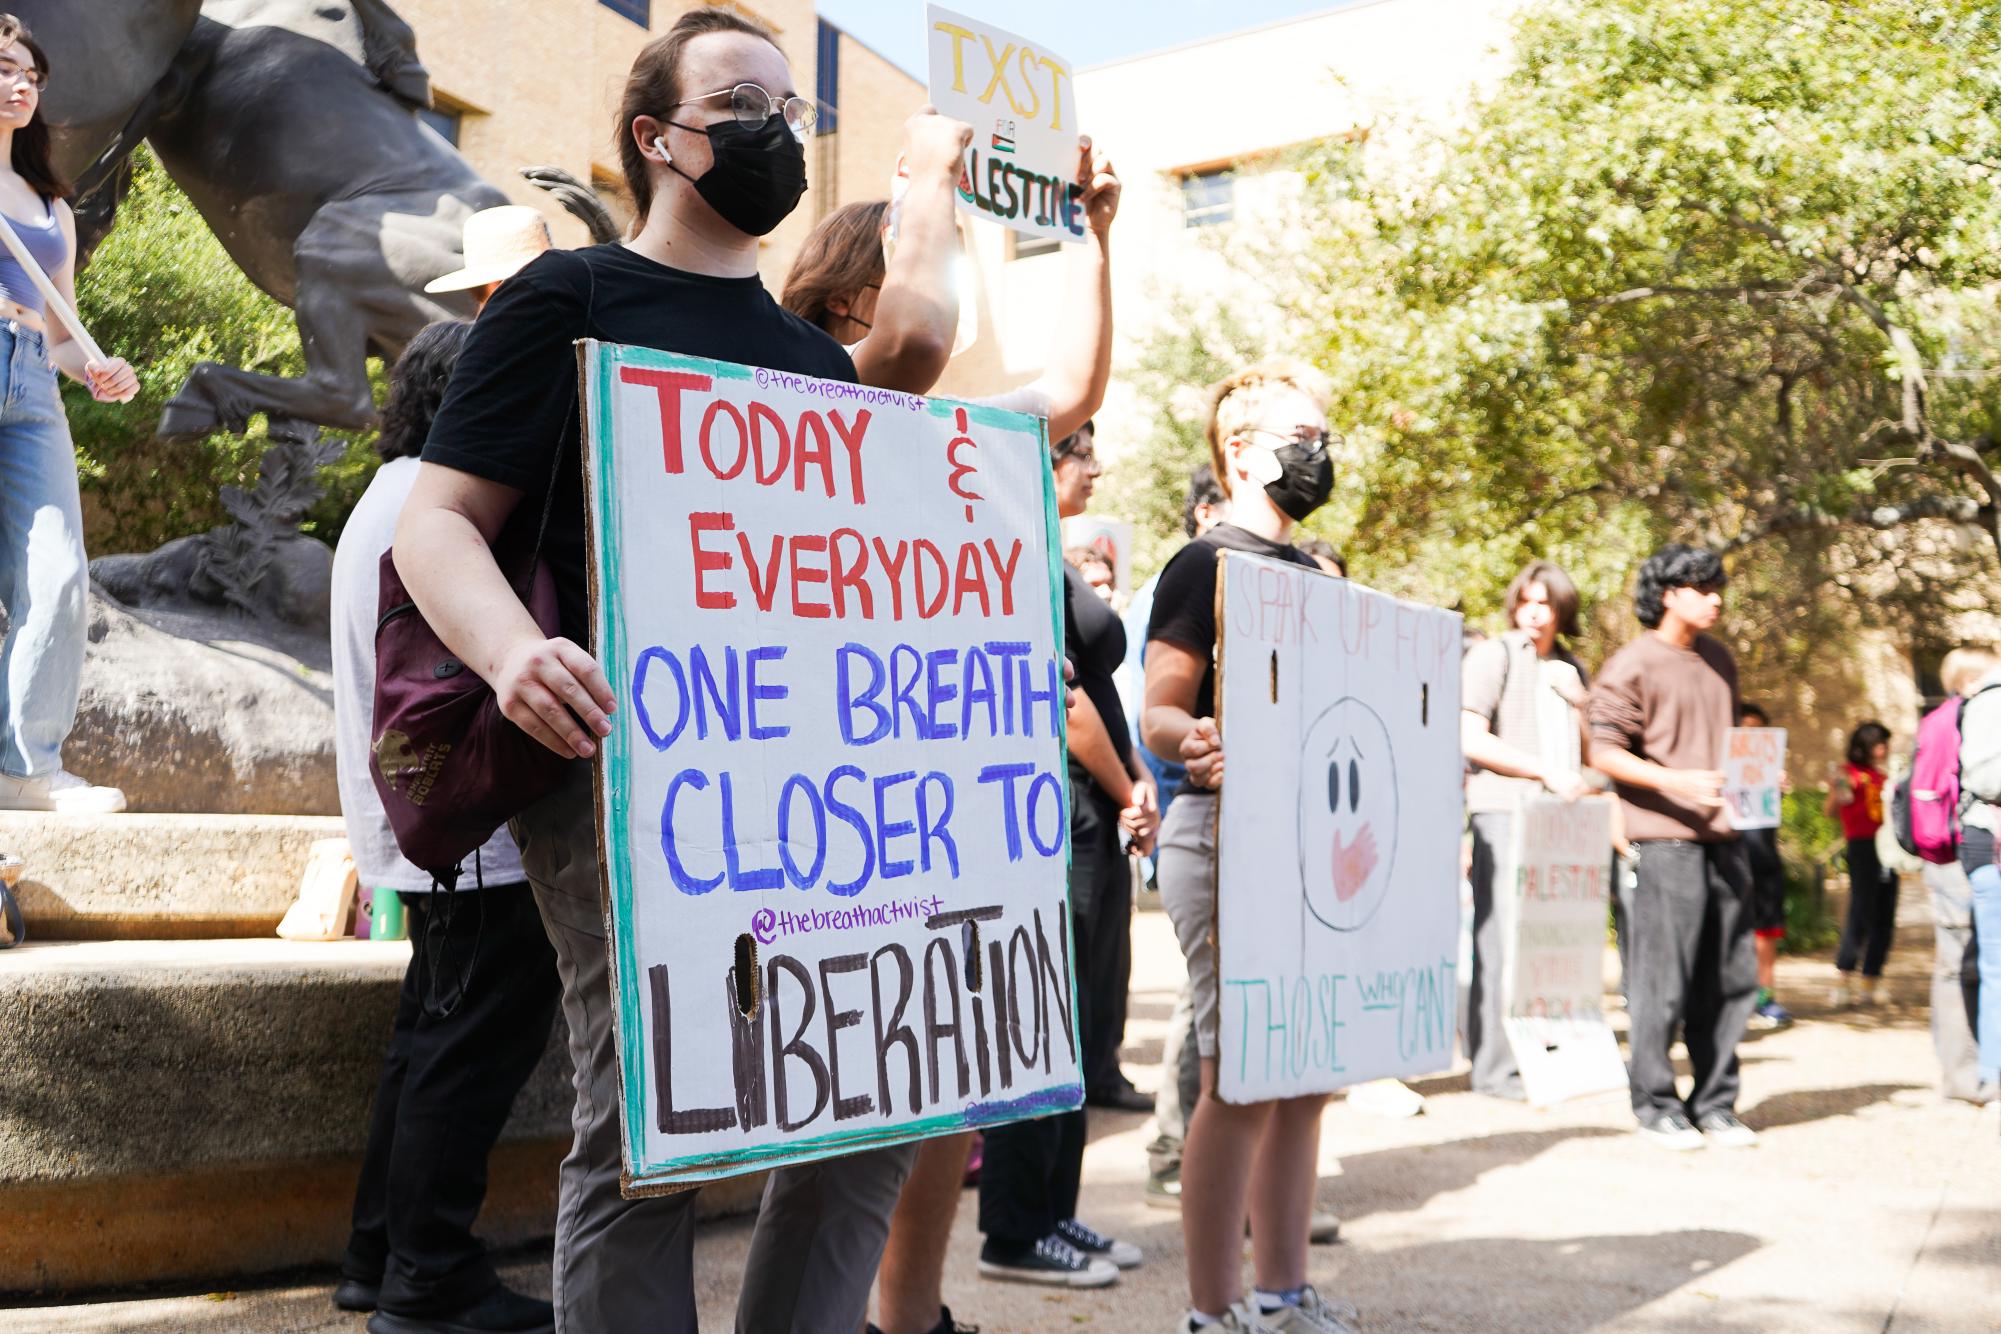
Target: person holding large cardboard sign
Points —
{"points": [[1768, 870], [711, 141], [1522, 728], [44, 578], [1268, 442]]}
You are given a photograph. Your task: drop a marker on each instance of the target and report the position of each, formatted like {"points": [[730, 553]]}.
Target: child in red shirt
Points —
{"points": [[1856, 797]]}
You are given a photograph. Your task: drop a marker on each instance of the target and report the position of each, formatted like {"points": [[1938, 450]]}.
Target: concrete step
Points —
{"points": [[159, 877], [194, 1109]]}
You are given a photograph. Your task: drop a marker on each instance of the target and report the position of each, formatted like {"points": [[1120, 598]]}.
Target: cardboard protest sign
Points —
{"points": [[1021, 168], [1754, 765], [833, 803], [1554, 980], [1338, 842]]}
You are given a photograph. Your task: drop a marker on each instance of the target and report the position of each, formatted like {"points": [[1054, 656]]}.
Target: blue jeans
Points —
{"points": [[1987, 940], [43, 576]]}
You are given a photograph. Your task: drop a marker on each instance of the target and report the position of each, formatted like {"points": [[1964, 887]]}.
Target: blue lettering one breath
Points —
{"points": [[846, 828]]}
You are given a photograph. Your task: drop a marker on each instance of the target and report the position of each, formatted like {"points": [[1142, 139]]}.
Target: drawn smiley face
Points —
{"points": [[1348, 814]]}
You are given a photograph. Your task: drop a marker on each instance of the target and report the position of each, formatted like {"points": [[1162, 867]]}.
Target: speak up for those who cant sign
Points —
{"points": [[833, 801]]}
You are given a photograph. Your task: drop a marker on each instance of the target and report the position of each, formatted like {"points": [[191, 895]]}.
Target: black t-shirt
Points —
{"points": [[512, 401], [1095, 639], [1184, 602]]}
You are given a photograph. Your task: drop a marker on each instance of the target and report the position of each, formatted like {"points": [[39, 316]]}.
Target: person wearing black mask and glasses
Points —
{"points": [[1268, 445], [711, 139]]}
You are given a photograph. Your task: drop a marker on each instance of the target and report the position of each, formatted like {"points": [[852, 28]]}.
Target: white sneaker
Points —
{"points": [[1671, 1130], [1724, 1131], [1841, 997], [1314, 1315], [1241, 1318], [62, 792], [1386, 1097], [1878, 994]]}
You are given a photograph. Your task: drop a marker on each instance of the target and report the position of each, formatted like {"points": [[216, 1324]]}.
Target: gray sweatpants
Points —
{"points": [[629, 1264], [1952, 1022], [1495, 1070]]}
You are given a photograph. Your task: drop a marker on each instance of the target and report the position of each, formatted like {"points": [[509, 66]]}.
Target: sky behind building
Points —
{"points": [[1087, 33]]}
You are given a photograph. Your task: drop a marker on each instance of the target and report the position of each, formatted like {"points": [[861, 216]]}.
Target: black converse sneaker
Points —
{"points": [[1123, 1254], [1051, 1261]]}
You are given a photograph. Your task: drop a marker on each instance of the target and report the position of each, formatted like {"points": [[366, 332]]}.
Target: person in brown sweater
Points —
{"points": [[1658, 712]]}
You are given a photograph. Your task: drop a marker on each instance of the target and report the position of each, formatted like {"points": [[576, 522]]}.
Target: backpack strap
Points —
{"points": [[556, 464]]}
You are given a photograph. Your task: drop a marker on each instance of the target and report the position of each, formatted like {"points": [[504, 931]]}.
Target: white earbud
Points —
{"points": [[660, 144]]}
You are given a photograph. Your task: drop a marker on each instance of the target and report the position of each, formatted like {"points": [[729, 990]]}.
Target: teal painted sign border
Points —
{"points": [[599, 366]]}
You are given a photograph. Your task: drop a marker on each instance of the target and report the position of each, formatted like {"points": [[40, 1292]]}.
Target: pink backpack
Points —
{"points": [[1934, 786]]}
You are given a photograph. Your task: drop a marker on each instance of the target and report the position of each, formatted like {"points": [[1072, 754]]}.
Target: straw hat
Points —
{"points": [[498, 242]]}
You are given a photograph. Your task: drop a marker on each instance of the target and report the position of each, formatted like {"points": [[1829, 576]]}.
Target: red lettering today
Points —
{"points": [[730, 439]]}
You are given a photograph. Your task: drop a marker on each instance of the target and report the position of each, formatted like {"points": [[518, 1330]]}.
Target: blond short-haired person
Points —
{"points": [[1268, 445]]}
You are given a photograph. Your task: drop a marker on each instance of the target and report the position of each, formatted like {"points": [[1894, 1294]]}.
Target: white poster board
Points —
{"points": [[833, 804], [1554, 979], [1754, 766], [1021, 168], [1338, 845]]}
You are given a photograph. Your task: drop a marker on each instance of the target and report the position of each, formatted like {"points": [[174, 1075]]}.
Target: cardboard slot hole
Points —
{"points": [[969, 940], [1424, 706], [743, 977], [1274, 676]]}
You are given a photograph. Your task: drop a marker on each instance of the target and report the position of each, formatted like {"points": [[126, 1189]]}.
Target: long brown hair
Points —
{"points": [[842, 255], [34, 158], [654, 89], [1563, 599]]}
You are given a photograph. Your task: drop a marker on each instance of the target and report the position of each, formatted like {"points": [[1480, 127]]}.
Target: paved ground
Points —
{"points": [[1870, 1205]]}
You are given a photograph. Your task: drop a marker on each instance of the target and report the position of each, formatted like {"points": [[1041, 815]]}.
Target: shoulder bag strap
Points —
{"points": [[556, 466]]}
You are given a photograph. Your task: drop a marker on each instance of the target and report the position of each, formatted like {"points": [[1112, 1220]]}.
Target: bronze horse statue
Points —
{"points": [[291, 126]]}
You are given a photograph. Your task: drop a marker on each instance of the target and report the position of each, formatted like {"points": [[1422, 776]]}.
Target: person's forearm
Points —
{"points": [[1163, 727], [1080, 364], [451, 574], [68, 357], [1622, 766], [917, 312], [1487, 751], [1091, 746]]}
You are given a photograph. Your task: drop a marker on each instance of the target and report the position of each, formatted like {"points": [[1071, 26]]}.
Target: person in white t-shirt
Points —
{"points": [[481, 989]]}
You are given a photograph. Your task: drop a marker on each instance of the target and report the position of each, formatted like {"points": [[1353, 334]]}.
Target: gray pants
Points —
{"points": [[1692, 969], [629, 1264], [1180, 1087], [1952, 1023], [1494, 1069]]}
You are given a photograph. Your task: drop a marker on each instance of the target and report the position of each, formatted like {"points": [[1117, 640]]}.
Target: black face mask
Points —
{"points": [[757, 176], [1304, 482]]}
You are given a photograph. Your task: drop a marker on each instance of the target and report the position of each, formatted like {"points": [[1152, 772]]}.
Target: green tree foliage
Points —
{"points": [[163, 293], [1717, 270]]}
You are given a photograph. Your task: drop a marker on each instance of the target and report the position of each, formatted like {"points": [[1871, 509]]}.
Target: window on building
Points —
{"points": [[1208, 197], [1023, 246], [827, 78], [639, 11], [445, 120]]}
